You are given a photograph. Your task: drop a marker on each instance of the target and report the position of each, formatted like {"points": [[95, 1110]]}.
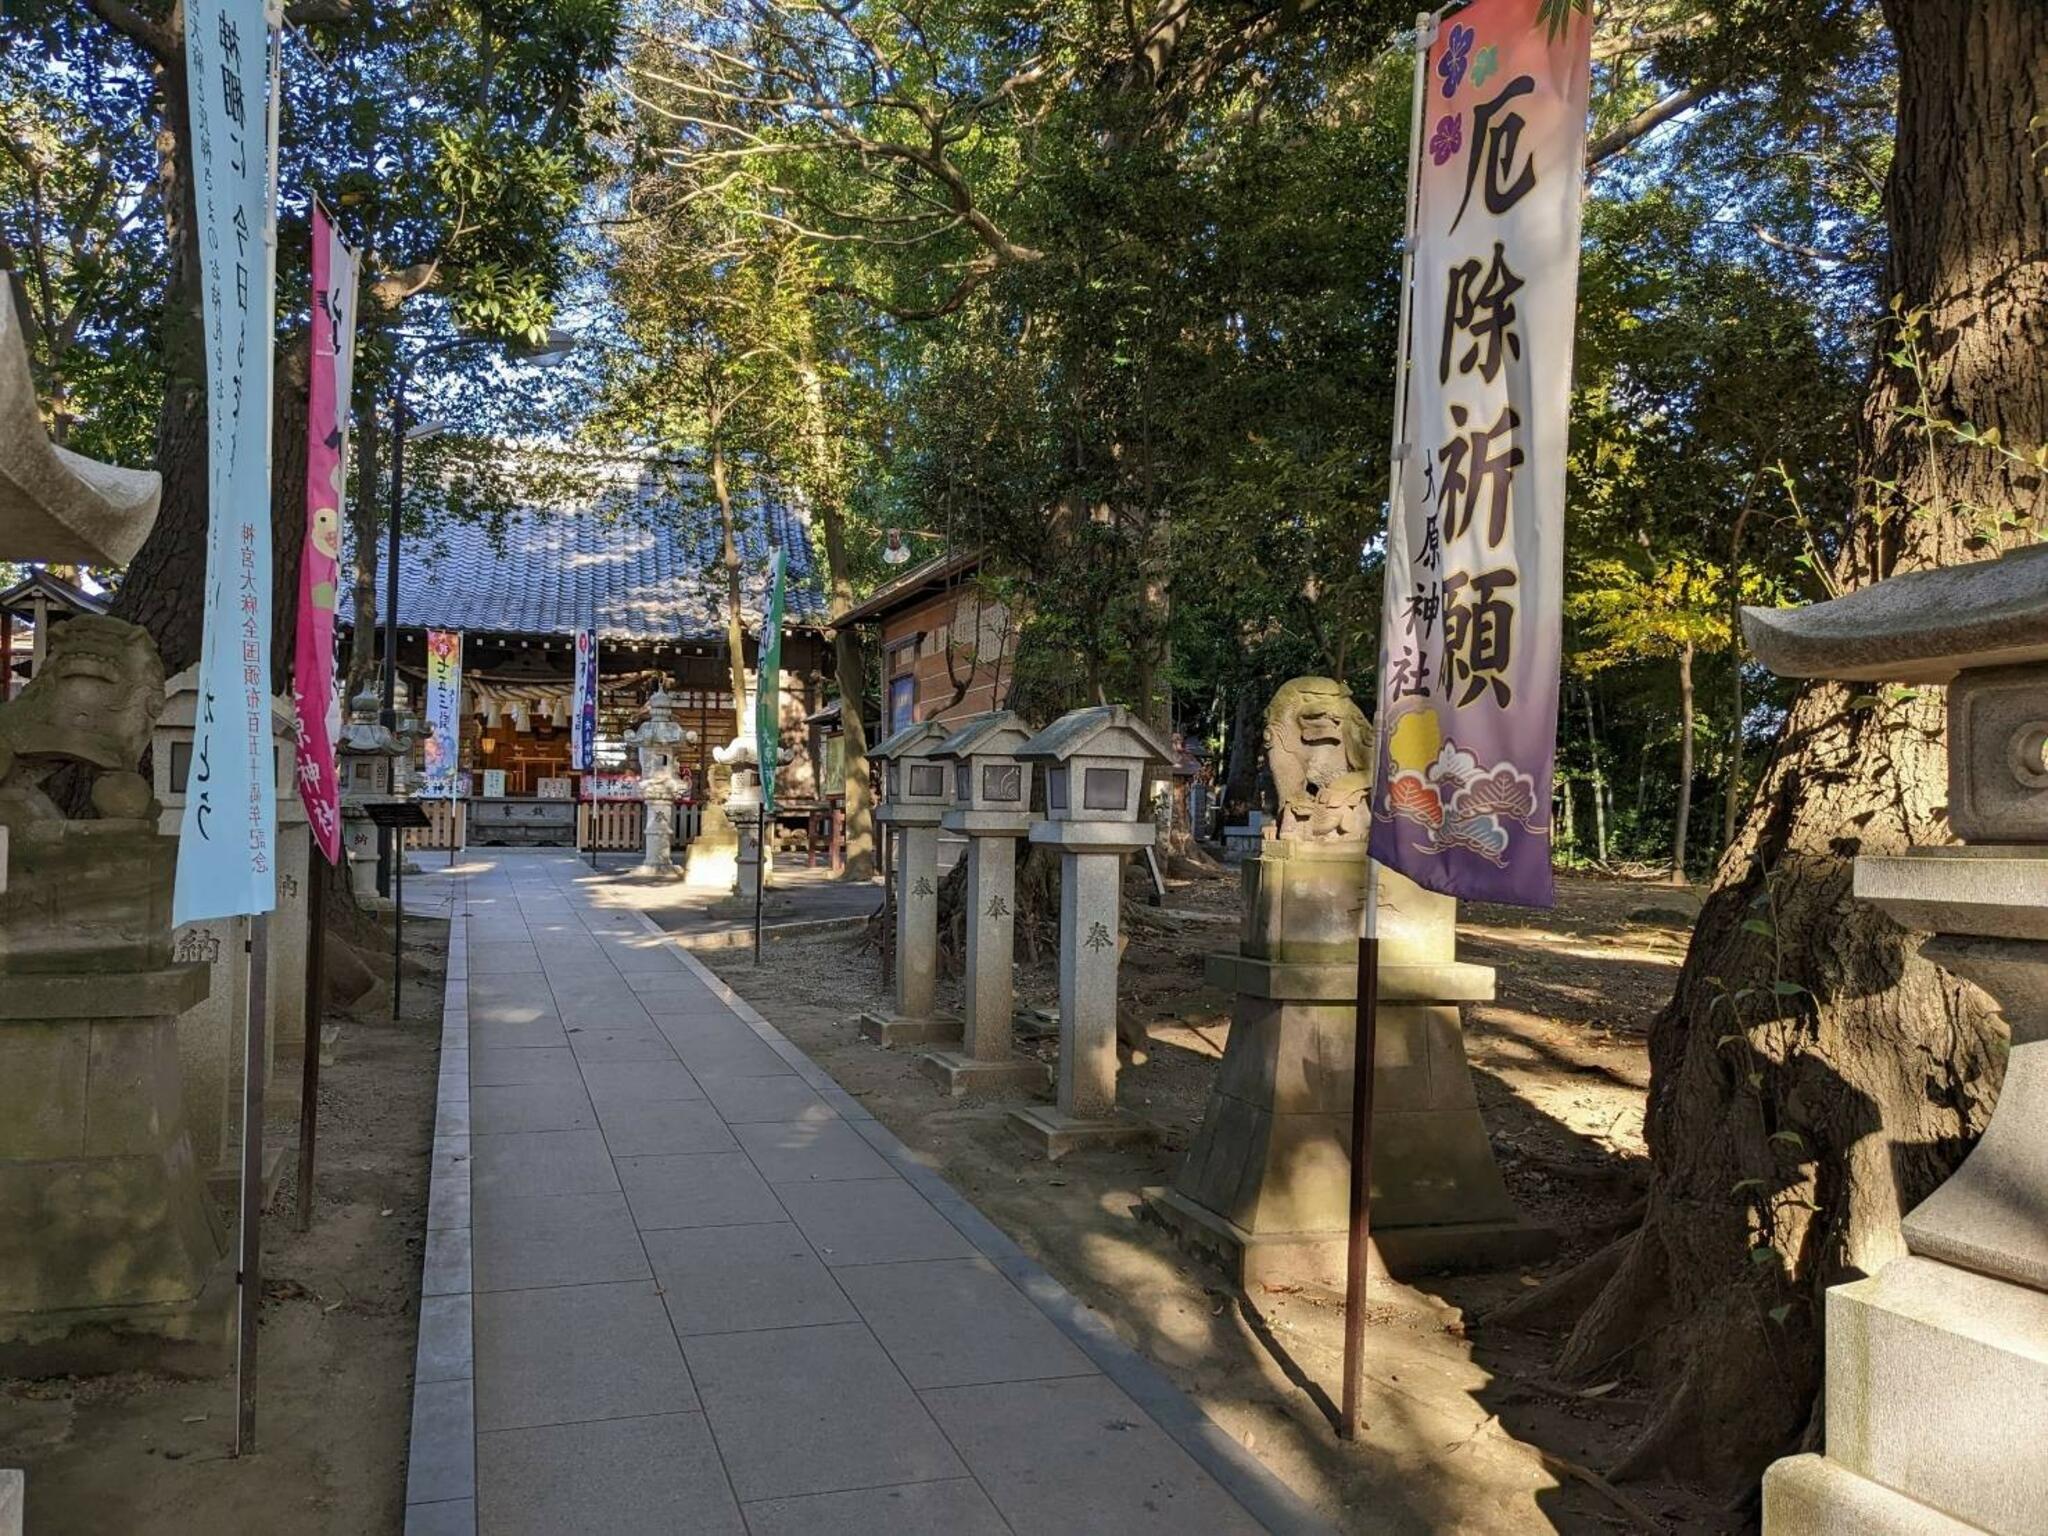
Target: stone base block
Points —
{"points": [[1810, 1496], [1056, 1133], [1937, 1387], [1318, 1258], [192, 1338], [961, 1075], [890, 1030]]}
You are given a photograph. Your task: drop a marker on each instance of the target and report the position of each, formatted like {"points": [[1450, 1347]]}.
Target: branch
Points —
{"points": [[1647, 121], [153, 37]]}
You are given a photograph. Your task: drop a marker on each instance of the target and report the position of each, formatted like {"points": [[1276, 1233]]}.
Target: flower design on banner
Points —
{"points": [[1485, 64], [1452, 62], [1448, 139], [1456, 800]]}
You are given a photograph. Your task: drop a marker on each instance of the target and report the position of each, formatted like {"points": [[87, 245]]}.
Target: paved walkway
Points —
{"points": [[677, 1280]]}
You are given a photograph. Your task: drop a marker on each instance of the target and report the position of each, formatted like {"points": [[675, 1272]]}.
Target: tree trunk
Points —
{"points": [[1880, 1067], [1241, 765], [1731, 800], [1599, 777], [365, 526], [735, 625], [849, 658], [1681, 823]]}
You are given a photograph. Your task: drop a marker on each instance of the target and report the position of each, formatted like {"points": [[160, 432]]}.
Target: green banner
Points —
{"points": [[768, 684]]}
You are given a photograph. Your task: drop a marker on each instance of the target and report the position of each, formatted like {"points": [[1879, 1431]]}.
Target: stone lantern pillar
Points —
{"points": [[658, 740], [364, 761], [1095, 763], [916, 794], [210, 1033], [1937, 1365], [992, 809]]}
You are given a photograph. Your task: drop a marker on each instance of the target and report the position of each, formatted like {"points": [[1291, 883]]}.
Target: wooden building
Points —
{"points": [[637, 559], [946, 645]]}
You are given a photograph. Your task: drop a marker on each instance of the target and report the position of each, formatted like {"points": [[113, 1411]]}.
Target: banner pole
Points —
{"points": [[309, 1067], [397, 917], [1358, 1244], [1365, 1033], [249, 1263], [760, 870]]}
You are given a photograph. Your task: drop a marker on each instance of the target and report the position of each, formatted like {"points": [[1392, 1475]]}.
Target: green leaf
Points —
{"points": [[1787, 988], [1762, 1254], [1741, 1184], [1789, 1138], [1758, 925], [1779, 1313]]}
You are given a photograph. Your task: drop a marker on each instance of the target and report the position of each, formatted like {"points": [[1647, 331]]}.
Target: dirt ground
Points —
{"points": [[130, 1454], [1466, 1435]]}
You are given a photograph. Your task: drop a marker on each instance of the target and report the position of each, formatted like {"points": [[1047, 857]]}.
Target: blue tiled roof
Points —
{"points": [[638, 558]]}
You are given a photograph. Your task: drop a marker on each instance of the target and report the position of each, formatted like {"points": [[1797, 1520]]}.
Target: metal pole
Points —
{"points": [[387, 838], [1365, 1036], [760, 870], [888, 911], [397, 918], [248, 1269], [309, 1069]]}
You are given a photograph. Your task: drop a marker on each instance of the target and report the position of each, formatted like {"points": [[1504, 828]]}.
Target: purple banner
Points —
{"points": [[1472, 623]]}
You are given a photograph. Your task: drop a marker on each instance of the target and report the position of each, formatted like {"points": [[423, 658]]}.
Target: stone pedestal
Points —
{"points": [[1085, 1111], [712, 864], [285, 1039], [986, 1063], [114, 1257], [657, 853], [915, 1019], [1264, 1190]]}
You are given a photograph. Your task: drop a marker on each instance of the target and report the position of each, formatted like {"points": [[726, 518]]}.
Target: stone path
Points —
{"points": [[677, 1280]]}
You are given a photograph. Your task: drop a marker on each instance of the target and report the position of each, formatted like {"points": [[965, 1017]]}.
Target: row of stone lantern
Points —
{"points": [[975, 779]]}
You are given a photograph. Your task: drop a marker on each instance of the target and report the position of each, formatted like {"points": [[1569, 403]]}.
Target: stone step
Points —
{"points": [[1808, 1496], [1921, 1333]]}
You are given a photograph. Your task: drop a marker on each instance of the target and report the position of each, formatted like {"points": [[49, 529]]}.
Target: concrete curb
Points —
{"points": [[742, 938], [440, 1470]]}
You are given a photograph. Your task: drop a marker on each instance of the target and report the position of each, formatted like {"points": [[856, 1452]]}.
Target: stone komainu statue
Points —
{"points": [[1319, 750]]}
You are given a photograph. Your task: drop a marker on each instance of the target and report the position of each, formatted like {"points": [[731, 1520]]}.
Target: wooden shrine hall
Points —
{"points": [[639, 560]]}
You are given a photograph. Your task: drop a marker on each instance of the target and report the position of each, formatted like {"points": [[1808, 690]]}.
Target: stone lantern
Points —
{"points": [[1095, 763], [1937, 1364], [658, 740], [992, 810], [210, 1033], [917, 792], [364, 762]]}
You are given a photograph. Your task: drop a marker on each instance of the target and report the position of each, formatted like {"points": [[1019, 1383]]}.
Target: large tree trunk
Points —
{"points": [[1813, 1078]]}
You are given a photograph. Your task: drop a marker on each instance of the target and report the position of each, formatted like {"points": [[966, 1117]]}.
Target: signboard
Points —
{"points": [[768, 683], [227, 863], [444, 714], [1471, 634], [315, 699], [611, 786], [583, 707], [494, 784]]}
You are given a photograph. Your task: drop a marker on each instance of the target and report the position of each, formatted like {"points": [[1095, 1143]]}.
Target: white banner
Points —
{"points": [[227, 839]]}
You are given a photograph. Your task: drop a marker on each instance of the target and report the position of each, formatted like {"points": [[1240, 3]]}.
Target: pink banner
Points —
{"points": [[313, 692]]}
